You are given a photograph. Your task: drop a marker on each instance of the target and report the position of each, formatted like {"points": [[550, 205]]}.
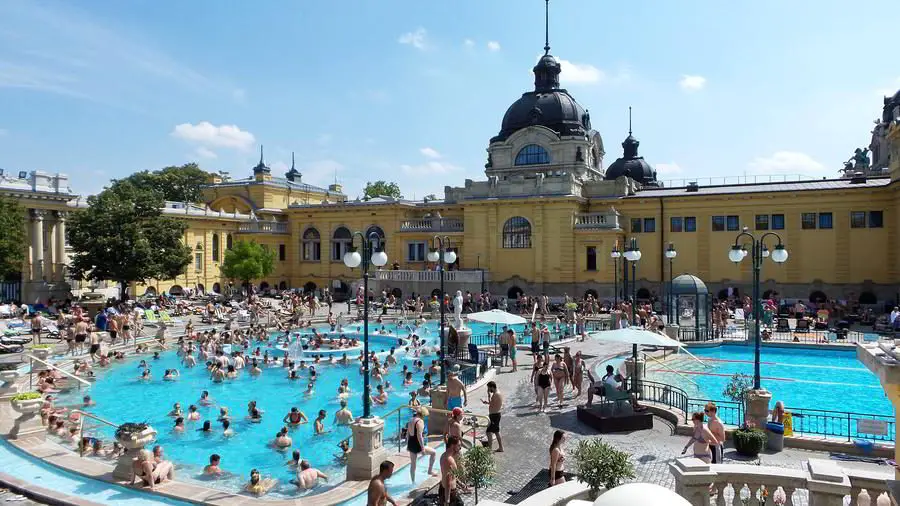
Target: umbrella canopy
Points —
{"points": [[496, 317], [632, 335]]}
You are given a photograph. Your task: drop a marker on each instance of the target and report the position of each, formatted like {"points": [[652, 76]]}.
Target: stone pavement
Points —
{"points": [[527, 434]]}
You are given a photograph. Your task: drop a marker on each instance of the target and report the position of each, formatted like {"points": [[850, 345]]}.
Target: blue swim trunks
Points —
{"points": [[454, 402]]}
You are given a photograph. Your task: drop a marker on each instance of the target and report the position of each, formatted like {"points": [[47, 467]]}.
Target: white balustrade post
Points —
{"points": [[827, 483], [692, 480]]}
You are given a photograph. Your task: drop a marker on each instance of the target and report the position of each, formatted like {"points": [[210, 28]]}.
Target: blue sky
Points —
{"points": [[412, 91]]}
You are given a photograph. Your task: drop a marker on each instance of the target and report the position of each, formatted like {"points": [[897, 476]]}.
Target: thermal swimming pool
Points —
{"points": [[121, 397], [802, 378]]}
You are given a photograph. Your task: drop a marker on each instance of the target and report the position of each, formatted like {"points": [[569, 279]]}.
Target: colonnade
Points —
{"points": [[47, 246]]}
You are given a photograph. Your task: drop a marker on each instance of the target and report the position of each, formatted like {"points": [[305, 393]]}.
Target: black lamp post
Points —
{"points": [[670, 299], [633, 254], [615, 254], [442, 256], [372, 254], [758, 251]]}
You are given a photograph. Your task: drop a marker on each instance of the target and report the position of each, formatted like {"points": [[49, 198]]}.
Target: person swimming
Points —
{"points": [[320, 423], [295, 417], [179, 425], [205, 399], [207, 427], [193, 414], [176, 410]]}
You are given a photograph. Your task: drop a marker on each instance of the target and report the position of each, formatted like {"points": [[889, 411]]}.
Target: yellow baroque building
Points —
{"points": [[545, 220]]}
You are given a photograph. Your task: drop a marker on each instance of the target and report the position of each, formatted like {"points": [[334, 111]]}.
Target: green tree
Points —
{"points": [[12, 240], [123, 236], [382, 189], [248, 260], [178, 183]]}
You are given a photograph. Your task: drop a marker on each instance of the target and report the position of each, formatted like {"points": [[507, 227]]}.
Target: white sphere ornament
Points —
{"points": [[736, 254], [450, 257], [634, 494], [352, 259], [433, 255], [379, 258], [780, 254]]}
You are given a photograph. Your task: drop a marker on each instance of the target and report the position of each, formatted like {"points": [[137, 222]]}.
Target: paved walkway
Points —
{"points": [[528, 433]]}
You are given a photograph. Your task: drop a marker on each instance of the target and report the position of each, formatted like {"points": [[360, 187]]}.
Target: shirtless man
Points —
{"points": [[378, 494], [81, 333], [456, 390], [343, 415], [308, 476], [95, 345], [718, 430], [454, 424], [495, 405], [448, 493]]}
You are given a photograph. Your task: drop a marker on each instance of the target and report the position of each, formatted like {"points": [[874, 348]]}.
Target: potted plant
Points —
{"points": [[749, 440], [478, 468], [135, 435], [600, 465], [27, 403]]}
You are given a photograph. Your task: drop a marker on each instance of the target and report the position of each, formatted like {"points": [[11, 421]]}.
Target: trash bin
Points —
{"points": [[775, 436]]}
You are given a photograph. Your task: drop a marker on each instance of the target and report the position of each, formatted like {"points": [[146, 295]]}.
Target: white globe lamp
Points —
{"points": [[634, 494], [352, 259]]}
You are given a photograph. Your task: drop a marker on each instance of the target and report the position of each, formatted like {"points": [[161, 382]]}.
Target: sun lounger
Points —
{"points": [[167, 318], [150, 317]]}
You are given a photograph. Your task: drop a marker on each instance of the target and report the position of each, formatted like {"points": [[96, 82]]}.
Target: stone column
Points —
{"points": [[60, 238], [367, 450], [37, 244], [437, 421]]}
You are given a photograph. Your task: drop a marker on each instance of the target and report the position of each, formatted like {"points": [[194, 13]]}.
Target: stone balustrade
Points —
{"points": [[824, 482], [432, 225], [431, 276], [597, 221], [187, 209], [263, 227]]}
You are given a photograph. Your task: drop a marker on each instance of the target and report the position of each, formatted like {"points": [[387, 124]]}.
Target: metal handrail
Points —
{"points": [[669, 369], [81, 418], [32, 357]]}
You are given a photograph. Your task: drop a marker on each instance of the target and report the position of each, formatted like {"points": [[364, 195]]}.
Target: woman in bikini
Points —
{"points": [[543, 380], [557, 458], [577, 373], [560, 378], [701, 439]]}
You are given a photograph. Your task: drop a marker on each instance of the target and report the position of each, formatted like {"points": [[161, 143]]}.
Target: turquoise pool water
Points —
{"points": [[121, 397], [32, 470], [801, 378]]}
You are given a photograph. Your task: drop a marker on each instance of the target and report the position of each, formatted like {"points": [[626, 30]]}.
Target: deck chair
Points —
{"points": [[782, 325], [167, 318], [802, 326], [151, 318], [616, 396]]}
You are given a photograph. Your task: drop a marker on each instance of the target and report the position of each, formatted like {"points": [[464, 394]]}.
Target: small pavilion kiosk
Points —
{"points": [[693, 307]]}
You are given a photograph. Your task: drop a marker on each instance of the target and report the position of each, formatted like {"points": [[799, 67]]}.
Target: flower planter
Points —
{"points": [[138, 441], [133, 443], [41, 353], [28, 406]]}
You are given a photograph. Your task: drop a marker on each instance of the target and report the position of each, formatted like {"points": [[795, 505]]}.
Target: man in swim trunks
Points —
{"points": [[378, 494], [456, 390], [495, 405]]}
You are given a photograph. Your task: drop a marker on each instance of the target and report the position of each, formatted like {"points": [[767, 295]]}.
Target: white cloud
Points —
{"points": [[207, 134], [429, 168], [203, 152], [668, 169], [786, 162], [415, 39], [692, 83], [580, 73], [493, 45], [430, 152], [469, 43]]}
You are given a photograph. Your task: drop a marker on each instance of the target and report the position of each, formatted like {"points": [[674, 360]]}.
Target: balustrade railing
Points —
{"points": [[432, 225], [400, 276], [263, 227], [597, 221]]}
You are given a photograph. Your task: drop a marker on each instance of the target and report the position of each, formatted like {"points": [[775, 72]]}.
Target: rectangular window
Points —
{"points": [[876, 219], [808, 221], [198, 262], [718, 223], [857, 219], [676, 224], [649, 225], [635, 225], [825, 220], [282, 252], [591, 258], [762, 222], [690, 223], [734, 223], [777, 222], [415, 252]]}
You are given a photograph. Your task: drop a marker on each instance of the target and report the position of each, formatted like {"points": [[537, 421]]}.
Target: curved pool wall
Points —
{"points": [[801, 377], [121, 397], [35, 472]]}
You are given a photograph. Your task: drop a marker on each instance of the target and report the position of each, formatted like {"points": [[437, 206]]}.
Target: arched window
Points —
{"points": [[532, 154], [312, 246], [340, 243], [380, 233], [228, 242], [517, 233], [215, 247]]}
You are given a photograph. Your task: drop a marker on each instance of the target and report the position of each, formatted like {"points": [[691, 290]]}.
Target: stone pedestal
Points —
{"points": [[367, 449], [672, 331], [758, 407], [43, 354], [437, 421], [630, 369], [28, 424], [464, 335], [133, 446]]}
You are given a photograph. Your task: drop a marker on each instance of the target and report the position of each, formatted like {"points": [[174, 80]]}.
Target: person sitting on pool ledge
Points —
{"points": [[149, 472], [257, 486], [295, 417], [308, 477]]}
